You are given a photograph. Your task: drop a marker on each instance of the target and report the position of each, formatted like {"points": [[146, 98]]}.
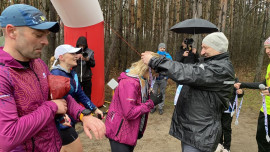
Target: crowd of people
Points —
{"points": [[32, 120]]}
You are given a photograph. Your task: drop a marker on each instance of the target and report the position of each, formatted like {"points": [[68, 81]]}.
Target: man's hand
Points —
{"points": [[239, 91], [94, 124], [237, 86], [194, 50], [185, 53], [146, 56], [62, 106]]}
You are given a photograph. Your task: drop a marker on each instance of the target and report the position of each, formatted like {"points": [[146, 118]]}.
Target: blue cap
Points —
{"points": [[26, 15]]}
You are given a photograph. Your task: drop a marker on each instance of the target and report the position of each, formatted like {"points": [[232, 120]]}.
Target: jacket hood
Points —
{"points": [[7, 60], [60, 68], [124, 75], [82, 41]]}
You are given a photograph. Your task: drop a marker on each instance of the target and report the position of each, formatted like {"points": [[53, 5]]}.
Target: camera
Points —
{"points": [[188, 41], [85, 54]]}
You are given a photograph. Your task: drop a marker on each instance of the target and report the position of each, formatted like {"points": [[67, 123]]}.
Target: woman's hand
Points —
{"points": [[99, 112], [67, 121], [265, 92]]}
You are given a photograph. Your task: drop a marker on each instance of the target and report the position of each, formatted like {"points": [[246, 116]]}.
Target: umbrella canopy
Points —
{"points": [[194, 26]]}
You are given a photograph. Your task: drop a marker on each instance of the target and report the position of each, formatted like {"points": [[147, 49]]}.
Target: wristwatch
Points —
{"points": [[86, 112]]}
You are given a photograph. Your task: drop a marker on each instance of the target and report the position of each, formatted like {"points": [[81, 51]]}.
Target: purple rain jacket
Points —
{"points": [[126, 110], [26, 112]]}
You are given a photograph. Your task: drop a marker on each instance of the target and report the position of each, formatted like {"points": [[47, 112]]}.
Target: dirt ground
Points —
{"points": [[157, 139]]}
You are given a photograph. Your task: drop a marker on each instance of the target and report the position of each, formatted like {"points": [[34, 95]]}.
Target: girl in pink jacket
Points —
{"points": [[129, 108]]}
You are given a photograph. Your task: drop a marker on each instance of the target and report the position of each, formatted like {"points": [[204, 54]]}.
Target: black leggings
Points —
{"points": [[226, 121], [68, 135], [263, 145], [119, 147]]}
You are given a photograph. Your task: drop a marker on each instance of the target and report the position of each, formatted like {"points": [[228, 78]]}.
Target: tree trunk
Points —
{"points": [[263, 37], [121, 57], [207, 10], [52, 36], [231, 22], [132, 29], [139, 23], [110, 60], [222, 15], [166, 30], [154, 23], [197, 13]]}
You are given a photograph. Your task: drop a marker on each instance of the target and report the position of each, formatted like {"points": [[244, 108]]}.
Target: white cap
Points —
{"points": [[217, 41], [63, 49]]}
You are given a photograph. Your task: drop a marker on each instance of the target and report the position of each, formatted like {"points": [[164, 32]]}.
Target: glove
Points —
{"points": [[156, 98]]}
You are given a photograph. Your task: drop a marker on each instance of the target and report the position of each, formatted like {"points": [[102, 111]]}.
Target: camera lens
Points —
{"points": [[85, 54]]}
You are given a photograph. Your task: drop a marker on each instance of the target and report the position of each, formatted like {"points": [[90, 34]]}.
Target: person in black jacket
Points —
{"points": [[187, 54], [207, 88], [262, 134], [84, 65], [226, 121]]}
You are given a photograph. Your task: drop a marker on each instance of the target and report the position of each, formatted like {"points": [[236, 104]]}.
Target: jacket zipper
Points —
{"points": [[33, 141], [38, 83], [119, 127]]}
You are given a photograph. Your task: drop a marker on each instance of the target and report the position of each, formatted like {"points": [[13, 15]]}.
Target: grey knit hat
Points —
{"points": [[217, 41], [162, 45]]}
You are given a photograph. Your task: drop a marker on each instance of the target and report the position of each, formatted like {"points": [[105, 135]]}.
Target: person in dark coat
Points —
{"points": [[207, 88], [226, 121], [262, 134], [84, 65], [186, 53]]}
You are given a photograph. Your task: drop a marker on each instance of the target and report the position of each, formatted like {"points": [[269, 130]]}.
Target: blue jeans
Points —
{"points": [[188, 148]]}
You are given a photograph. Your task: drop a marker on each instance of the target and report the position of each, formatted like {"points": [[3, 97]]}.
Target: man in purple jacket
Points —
{"points": [[26, 112]]}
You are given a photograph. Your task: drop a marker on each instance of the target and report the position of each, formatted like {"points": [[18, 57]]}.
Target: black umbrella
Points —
{"points": [[194, 26]]}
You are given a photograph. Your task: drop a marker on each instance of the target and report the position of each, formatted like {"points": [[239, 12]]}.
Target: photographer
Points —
{"points": [[187, 54], [84, 65]]}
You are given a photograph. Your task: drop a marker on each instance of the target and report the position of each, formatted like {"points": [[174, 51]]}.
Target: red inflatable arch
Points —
{"points": [[84, 18]]}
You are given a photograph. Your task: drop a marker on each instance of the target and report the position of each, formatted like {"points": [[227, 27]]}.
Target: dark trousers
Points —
{"points": [[226, 137], [263, 145], [119, 147], [87, 87]]}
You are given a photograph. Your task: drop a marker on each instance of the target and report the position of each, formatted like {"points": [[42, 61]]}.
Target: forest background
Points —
{"points": [[146, 23], [143, 24]]}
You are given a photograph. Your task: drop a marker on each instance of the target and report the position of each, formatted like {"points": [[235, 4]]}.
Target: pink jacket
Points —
{"points": [[126, 110], [26, 112]]}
